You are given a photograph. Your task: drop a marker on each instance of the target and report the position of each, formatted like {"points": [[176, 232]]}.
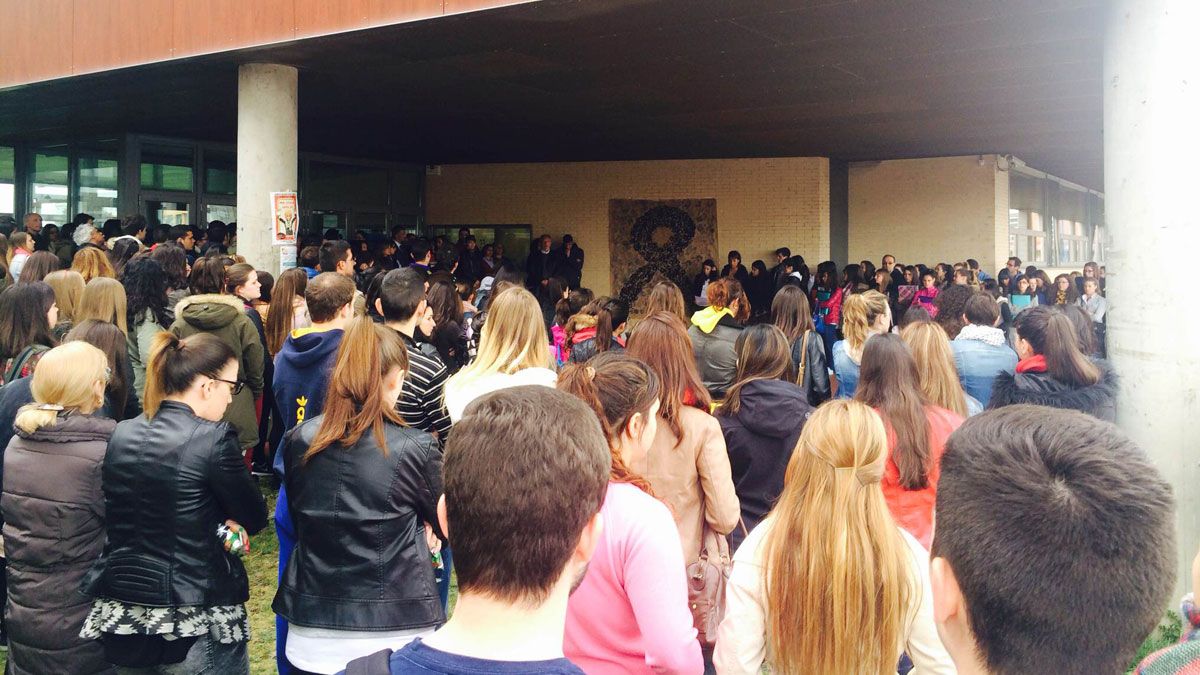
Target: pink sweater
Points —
{"points": [[630, 614]]}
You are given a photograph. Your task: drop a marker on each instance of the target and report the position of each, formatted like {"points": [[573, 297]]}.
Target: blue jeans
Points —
{"points": [[443, 582], [206, 657]]}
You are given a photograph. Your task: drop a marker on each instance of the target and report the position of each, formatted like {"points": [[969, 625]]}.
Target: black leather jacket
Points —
{"points": [[816, 372], [361, 561], [168, 483]]}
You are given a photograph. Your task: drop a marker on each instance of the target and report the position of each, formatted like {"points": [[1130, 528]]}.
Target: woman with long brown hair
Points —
{"points": [[761, 418], [937, 375], [916, 432], [687, 464], [387, 478], [714, 330], [791, 313], [68, 291], [287, 311], [827, 583], [1053, 371], [665, 296], [630, 614]]}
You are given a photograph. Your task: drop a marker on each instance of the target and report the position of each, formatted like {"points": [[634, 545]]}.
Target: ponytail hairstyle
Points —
{"points": [[354, 403], [860, 311], [887, 381], [611, 314], [64, 382], [571, 305], [763, 353], [616, 387], [1052, 335], [175, 364], [726, 292], [281, 313]]}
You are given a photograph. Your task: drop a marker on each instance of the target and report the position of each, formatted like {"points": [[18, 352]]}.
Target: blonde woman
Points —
{"points": [[514, 350], [54, 509], [863, 315], [92, 263], [936, 373], [68, 292], [103, 299], [827, 583]]}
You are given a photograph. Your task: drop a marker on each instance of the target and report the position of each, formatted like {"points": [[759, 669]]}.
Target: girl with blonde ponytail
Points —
{"points": [[863, 315], [827, 583], [54, 509]]}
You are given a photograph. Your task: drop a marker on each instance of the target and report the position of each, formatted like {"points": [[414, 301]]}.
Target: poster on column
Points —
{"points": [[285, 218]]}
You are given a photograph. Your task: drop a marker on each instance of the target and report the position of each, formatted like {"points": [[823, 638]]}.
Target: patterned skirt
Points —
{"points": [[226, 624]]}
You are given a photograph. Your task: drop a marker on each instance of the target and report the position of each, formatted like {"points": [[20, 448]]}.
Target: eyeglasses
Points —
{"points": [[235, 387]]}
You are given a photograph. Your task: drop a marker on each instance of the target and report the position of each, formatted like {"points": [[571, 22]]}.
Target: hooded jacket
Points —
{"points": [[760, 439], [54, 534], [302, 369], [225, 317], [1040, 388], [713, 335]]}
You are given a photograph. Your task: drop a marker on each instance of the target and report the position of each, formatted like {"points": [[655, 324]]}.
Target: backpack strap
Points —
{"points": [[18, 364], [378, 663], [803, 359]]}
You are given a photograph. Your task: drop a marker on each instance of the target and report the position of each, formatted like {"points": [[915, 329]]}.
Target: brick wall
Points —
{"points": [[944, 209], [762, 204]]}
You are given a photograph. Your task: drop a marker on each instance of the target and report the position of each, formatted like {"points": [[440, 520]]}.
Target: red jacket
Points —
{"points": [[913, 509]]}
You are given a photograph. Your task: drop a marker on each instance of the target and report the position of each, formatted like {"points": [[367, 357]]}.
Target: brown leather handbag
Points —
{"points": [[706, 578]]}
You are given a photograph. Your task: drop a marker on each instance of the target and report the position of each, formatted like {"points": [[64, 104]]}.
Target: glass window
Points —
{"points": [[167, 213], [97, 187], [348, 184], [8, 181], [167, 167], [220, 173], [1026, 220], [222, 212], [48, 187]]}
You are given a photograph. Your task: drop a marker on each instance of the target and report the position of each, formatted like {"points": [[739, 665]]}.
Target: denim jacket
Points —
{"points": [[979, 363]]}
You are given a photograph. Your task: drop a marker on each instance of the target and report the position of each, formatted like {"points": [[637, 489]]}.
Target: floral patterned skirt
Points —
{"points": [[226, 624]]}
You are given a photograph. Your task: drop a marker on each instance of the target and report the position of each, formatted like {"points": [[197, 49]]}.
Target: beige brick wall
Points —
{"points": [[762, 204], [943, 209]]}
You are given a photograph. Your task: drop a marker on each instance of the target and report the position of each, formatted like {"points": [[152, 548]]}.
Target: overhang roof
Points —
{"points": [[560, 80]]}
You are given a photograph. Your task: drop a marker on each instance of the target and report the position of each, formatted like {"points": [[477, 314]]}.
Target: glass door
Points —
{"points": [[166, 211]]}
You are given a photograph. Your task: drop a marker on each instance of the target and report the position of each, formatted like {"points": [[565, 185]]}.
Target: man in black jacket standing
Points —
{"points": [[570, 262]]}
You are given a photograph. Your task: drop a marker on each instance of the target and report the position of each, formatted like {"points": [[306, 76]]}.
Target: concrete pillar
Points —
{"points": [[1151, 146], [267, 155]]}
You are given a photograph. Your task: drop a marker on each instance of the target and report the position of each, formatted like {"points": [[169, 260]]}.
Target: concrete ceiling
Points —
{"points": [[648, 79]]}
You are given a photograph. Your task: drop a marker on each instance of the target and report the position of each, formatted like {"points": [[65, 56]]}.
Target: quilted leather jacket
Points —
{"points": [[168, 483]]}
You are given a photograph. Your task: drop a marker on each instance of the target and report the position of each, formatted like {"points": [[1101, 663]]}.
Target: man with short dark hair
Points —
{"points": [[1054, 550], [301, 379], [470, 262], [422, 256], [897, 274], [336, 256], [779, 271], [134, 225], [570, 262], [402, 256], [517, 481], [402, 304], [1006, 276]]}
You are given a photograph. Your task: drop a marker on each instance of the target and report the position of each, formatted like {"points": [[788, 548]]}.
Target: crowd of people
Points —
{"points": [[743, 477]]}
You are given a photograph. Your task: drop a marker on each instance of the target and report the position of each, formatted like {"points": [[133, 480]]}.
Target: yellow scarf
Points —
{"points": [[708, 318]]}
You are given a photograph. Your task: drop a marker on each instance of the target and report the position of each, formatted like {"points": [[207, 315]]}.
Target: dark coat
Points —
{"points": [[540, 267], [363, 565], [716, 358], [760, 439], [570, 265], [1098, 400], [168, 483], [53, 534]]}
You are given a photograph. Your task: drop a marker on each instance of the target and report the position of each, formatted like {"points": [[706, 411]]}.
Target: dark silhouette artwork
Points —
{"points": [[651, 240]]}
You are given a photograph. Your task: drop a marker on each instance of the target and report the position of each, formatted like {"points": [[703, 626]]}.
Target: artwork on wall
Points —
{"points": [[650, 239]]}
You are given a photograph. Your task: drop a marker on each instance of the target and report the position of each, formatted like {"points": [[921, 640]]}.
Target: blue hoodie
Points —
{"points": [[302, 369]]}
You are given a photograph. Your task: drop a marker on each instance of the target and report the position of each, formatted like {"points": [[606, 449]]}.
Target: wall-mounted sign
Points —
{"points": [[285, 218]]}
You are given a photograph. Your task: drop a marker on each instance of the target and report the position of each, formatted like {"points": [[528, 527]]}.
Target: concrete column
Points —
{"points": [[267, 155], [1151, 147]]}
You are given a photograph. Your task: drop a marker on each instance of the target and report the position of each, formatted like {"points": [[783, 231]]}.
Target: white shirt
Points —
{"points": [[322, 650], [742, 641], [458, 398]]}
